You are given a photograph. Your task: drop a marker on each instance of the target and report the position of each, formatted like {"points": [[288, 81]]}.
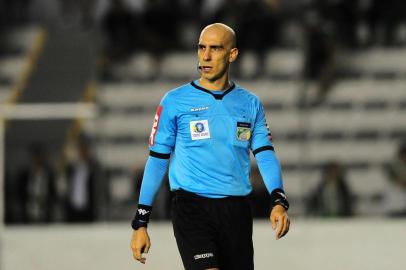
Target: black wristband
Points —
{"points": [[141, 218], [278, 197]]}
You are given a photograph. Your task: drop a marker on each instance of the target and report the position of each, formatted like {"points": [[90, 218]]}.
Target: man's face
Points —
{"points": [[215, 54]]}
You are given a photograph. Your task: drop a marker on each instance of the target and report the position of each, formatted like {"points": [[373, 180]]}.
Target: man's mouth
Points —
{"points": [[206, 68]]}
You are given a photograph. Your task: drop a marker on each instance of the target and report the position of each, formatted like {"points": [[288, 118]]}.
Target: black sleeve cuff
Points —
{"points": [[159, 155], [263, 148]]}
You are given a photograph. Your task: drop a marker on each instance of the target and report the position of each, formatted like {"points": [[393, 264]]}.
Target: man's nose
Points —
{"points": [[206, 55]]}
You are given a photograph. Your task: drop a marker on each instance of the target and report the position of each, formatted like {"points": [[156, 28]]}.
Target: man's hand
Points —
{"points": [[140, 244], [280, 221]]}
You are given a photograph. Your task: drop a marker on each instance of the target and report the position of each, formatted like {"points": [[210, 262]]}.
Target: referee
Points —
{"points": [[204, 131]]}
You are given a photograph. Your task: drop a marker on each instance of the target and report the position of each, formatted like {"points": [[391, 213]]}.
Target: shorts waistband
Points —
{"points": [[186, 194]]}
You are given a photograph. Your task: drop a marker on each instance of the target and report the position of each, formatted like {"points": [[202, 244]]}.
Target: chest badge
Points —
{"points": [[199, 130], [243, 131]]}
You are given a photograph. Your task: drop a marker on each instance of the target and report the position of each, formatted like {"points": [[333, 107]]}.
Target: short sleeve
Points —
{"points": [[261, 136], [163, 132]]}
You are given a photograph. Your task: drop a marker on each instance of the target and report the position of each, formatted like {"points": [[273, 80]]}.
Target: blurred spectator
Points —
{"points": [[191, 11], [83, 177], [37, 187], [119, 25], [3, 27], [10, 199], [258, 25], [346, 19], [77, 12], [343, 16], [319, 55], [259, 197], [395, 198], [228, 13], [332, 196], [15, 11], [383, 19], [12, 13], [160, 26]]}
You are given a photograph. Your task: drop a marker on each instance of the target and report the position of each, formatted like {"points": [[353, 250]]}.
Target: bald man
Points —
{"points": [[204, 131]]}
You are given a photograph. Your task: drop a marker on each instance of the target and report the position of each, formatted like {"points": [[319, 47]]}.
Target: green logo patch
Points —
{"points": [[243, 131]]}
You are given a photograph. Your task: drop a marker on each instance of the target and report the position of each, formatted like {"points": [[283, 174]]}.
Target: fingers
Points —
{"points": [[273, 222], [286, 229], [147, 246], [279, 229], [280, 222], [140, 244], [283, 226], [137, 254]]}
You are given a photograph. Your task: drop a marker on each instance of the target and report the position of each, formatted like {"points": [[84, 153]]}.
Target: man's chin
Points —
{"points": [[211, 77], [207, 77]]}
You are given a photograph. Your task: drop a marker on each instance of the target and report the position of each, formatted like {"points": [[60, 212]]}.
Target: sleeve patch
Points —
{"points": [[269, 131], [155, 125]]}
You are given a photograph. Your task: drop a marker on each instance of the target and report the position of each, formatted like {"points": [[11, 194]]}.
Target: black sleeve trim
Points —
{"points": [[263, 148], [159, 155]]}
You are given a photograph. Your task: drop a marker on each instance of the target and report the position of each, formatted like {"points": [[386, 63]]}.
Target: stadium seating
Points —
{"points": [[359, 124], [14, 59]]}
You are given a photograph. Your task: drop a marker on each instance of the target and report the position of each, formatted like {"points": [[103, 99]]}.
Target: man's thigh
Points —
{"points": [[236, 247], [196, 239], [213, 233]]}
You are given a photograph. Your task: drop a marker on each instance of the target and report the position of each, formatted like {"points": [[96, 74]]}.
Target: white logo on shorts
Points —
{"points": [[203, 256]]}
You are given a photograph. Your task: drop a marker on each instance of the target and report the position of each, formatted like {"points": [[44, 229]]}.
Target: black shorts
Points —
{"points": [[213, 233]]}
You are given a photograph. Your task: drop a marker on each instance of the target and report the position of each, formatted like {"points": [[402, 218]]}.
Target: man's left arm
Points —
{"points": [[270, 169]]}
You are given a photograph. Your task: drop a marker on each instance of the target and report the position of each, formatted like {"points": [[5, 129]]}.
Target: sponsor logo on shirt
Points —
{"points": [[203, 256], [155, 125], [243, 131], [199, 109], [199, 130]]}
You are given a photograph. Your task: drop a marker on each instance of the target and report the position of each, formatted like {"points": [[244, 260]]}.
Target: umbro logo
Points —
{"points": [[143, 212]]}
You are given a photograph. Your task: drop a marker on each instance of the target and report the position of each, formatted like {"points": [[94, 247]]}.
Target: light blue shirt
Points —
{"points": [[208, 135]]}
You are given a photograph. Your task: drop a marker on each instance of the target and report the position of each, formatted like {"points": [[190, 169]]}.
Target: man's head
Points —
{"points": [[216, 50]]}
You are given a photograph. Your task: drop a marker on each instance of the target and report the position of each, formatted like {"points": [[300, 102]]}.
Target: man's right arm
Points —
{"points": [[154, 173], [161, 143]]}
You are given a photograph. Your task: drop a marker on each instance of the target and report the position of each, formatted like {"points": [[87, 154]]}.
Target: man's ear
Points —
{"points": [[233, 55]]}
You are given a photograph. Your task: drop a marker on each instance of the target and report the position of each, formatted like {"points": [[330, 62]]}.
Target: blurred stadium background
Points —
{"points": [[79, 84]]}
